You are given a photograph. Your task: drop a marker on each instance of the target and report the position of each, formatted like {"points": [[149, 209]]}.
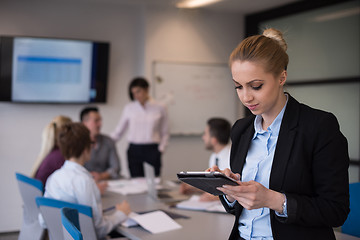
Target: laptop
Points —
{"points": [[163, 195]]}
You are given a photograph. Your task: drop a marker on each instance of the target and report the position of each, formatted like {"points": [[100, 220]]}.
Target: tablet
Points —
{"points": [[207, 181]]}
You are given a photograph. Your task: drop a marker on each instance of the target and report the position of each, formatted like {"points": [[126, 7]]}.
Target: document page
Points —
{"points": [[194, 203], [154, 222]]}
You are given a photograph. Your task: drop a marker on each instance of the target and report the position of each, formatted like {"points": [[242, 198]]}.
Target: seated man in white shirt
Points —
{"points": [[73, 183], [216, 138]]}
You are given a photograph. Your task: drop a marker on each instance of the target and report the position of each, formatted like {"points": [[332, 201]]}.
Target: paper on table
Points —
{"points": [[129, 186], [194, 203], [128, 190], [150, 221], [130, 222], [125, 187]]}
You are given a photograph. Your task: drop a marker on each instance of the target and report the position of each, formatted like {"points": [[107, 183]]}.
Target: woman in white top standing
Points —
{"points": [[73, 183], [148, 131]]}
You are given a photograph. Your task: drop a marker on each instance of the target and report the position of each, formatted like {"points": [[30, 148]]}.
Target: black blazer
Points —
{"points": [[310, 166]]}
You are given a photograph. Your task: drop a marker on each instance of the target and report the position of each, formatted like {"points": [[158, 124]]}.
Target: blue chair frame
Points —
{"points": [[32, 181], [351, 225], [70, 222], [51, 212], [30, 188]]}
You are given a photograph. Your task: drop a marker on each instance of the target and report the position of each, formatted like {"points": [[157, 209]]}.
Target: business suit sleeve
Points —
{"points": [[228, 208], [236, 163], [321, 198]]}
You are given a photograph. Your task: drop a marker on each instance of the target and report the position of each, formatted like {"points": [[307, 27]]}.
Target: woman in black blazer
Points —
{"points": [[299, 188]]}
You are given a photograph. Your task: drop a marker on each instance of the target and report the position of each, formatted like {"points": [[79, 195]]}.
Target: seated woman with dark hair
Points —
{"points": [[73, 183]]}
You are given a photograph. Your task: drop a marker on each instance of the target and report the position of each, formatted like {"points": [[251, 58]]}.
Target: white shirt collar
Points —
{"points": [[74, 165]]}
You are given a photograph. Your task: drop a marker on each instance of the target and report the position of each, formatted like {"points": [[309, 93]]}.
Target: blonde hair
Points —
{"points": [[48, 140], [268, 49]]}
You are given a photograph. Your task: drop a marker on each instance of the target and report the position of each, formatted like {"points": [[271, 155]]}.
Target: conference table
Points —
{"points": [[343, 236], [195, 224]]}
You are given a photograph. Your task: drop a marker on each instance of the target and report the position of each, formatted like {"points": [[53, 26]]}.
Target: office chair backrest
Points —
{"points": [[351, 225], [30, 188], [70, 223], [50, 211]]}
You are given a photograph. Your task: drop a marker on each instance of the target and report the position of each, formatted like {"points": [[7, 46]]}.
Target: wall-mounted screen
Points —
{"points": [[52, 70]]}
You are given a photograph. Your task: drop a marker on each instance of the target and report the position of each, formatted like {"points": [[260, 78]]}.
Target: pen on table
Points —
{"points": [[108, 209]]}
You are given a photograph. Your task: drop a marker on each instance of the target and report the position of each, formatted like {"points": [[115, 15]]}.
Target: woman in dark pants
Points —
{"points": [[147, 124]]}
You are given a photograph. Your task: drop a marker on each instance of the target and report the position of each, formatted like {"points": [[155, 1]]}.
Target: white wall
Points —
{"points": [[189, 36], [138, 36]]}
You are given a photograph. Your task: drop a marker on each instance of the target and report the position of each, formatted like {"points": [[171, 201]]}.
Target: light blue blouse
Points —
{"points": [[255, 224]]}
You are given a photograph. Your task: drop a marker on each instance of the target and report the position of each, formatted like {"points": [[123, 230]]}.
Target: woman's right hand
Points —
{"points": [[124, 207]]}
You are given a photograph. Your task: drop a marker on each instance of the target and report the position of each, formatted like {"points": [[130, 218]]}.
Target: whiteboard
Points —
{"points": [[194, 93]]}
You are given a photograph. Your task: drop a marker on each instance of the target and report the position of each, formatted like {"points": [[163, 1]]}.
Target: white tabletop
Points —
{"points": [[343, 236], [199, 225]]}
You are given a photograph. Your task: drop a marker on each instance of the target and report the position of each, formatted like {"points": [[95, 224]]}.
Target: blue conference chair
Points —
{"points": [[50, 210], [351, 225], [70, 223], [30, 188]]}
